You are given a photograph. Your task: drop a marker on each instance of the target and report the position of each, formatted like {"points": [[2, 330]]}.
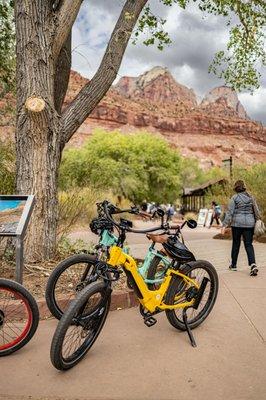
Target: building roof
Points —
{"points": [[203, 187]]}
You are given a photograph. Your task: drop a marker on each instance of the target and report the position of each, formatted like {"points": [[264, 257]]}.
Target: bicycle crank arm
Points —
{"points": [[200, 293]]}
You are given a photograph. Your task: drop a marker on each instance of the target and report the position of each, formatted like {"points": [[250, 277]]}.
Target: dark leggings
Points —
{"points": [[247, 234], [214, 217]]}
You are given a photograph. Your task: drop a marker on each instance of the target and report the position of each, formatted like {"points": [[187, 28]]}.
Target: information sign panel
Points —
{"points": [[15, 212], [203, 212], [209, 217]]}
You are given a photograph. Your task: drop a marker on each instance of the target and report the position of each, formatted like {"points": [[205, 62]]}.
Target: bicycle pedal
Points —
{"points": [[150, 321]]}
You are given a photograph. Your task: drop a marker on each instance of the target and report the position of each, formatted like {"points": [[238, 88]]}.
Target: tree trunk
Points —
{"points": [[38, 143], [43, 30]]}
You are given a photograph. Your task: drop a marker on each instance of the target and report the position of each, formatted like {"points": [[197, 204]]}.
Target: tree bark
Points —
{"points": [[67, 11], [62, 73], [38, 123]]}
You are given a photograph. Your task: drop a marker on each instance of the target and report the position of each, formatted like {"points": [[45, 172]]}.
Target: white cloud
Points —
{"points": [[256, 104], [195, 41]]}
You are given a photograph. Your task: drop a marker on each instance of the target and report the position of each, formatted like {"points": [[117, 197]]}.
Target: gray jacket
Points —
{"points": [[242, 212]]}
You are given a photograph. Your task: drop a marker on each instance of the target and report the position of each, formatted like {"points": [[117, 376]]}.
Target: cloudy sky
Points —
{"points": [[195, 41]]}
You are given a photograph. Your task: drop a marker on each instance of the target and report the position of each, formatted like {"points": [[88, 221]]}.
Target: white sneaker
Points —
{"points": [[253, 270]]}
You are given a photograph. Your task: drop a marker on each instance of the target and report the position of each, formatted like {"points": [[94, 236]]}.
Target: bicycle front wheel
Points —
{"points": [[19, 316], [80, 325], [178, 291]]}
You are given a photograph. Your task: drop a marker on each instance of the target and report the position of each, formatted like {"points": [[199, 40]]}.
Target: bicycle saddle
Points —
{"points": [[177, 250], [157, 238]]}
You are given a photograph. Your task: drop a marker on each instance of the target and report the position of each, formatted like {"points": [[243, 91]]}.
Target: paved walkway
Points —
{"points": [[132, 362]]}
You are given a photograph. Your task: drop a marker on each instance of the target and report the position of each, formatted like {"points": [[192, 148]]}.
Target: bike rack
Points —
{"points": [[18, 229]]}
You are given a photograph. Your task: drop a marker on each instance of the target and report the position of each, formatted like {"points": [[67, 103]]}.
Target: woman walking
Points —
{"points": [[216, 213], [241, 216]]}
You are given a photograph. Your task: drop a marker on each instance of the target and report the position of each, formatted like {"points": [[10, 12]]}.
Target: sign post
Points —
{"points": [[15, 213], [229, 163]]}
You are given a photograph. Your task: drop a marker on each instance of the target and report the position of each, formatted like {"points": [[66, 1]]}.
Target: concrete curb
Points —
{"points": [[120, 299]]}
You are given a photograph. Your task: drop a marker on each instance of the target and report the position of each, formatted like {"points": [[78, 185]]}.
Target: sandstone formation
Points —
{"points": [[156, 86], [224, 98], [210, 131]]}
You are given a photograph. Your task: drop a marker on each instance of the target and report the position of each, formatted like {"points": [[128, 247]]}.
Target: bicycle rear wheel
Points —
{"points": [[198, 271], [80, 325], [63, 283], [157, 270], [19, 316]]}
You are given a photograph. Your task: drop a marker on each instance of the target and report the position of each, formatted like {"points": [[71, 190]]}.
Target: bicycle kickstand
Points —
{"points": [[189, 332]]}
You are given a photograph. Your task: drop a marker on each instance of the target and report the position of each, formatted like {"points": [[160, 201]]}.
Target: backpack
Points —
{"points": [[218, 210]]}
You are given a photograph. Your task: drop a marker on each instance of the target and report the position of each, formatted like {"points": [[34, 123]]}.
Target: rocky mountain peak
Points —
{"points": [[224, 98], [156, 86], [148, 76]]}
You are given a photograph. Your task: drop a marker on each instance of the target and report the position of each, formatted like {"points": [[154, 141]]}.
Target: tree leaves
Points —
{"points": [[238, 64], [7, 46]]}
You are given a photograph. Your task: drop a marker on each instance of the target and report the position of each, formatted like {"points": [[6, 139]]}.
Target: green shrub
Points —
{"points": [[255, 179], [67, 247], [135, 166], [77, 206]]}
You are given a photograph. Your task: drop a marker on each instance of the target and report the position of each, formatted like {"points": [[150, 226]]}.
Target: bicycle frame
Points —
{"points": [[143, 269], [151, 300], [108, 240]]}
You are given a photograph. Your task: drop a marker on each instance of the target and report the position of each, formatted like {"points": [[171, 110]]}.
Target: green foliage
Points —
{"points": [[7, 168], [191, 174], [67, 247], [7, 46], [212, 174], [155, 26], [76, 206], [245, 49], [255, 179], [135, 166], [238, 63]]}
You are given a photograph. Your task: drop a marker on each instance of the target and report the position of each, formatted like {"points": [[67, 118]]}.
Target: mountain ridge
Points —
{"points": [[210, 130]]}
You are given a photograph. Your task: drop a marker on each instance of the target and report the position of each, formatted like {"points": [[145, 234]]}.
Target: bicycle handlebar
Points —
{"points": [[135, 210], [132, 211]]}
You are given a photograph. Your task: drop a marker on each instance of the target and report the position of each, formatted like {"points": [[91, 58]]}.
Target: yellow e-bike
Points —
{"points": [[190, 287]]}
